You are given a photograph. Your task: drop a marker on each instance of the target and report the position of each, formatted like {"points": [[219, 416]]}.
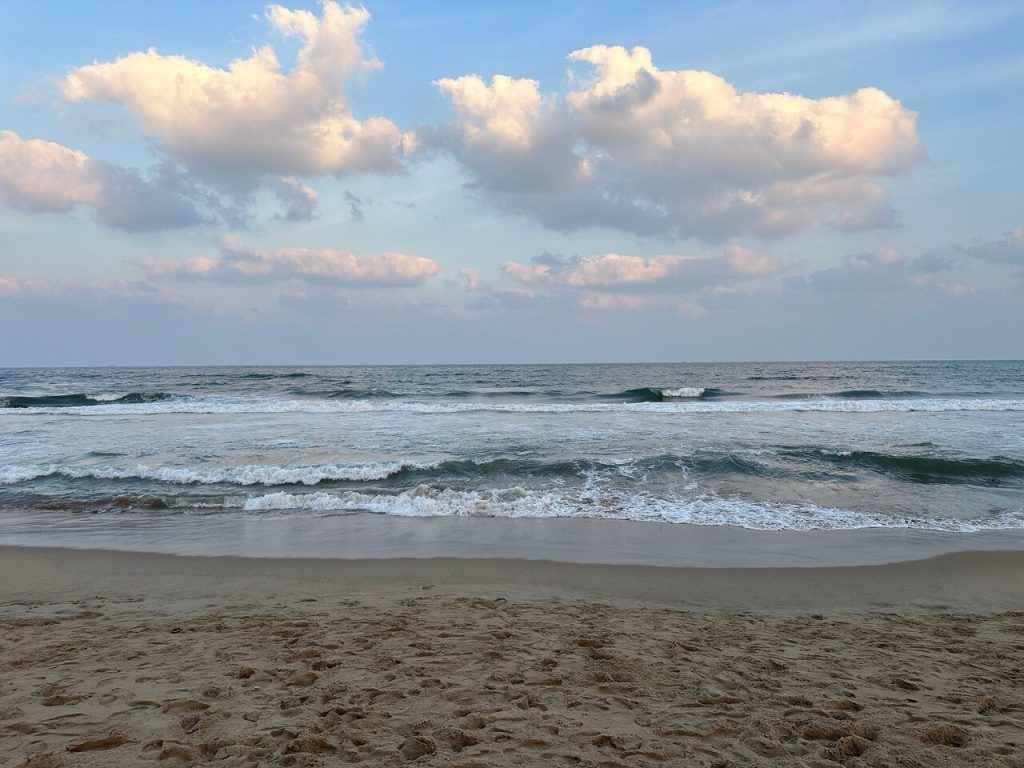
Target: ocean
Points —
{"points": [[764, 446]]}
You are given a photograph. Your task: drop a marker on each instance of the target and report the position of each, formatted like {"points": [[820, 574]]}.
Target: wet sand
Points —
{"points": [[123, 659], [568, 540]]}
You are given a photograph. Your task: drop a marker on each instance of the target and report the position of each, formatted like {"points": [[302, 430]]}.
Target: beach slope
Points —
{"points": [[120, 659]]}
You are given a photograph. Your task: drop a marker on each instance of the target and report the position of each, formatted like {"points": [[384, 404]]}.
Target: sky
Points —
{"points": [[461, 182]]}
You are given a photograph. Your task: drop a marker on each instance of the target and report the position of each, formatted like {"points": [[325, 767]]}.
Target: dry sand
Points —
{"points": [[117, 659]]}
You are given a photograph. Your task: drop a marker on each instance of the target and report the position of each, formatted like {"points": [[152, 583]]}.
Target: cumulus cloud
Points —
{"points": [[253, 119], [237, 263], [678, 152], [1008, 249], [665, 273], [45, 177], [621, 282]]}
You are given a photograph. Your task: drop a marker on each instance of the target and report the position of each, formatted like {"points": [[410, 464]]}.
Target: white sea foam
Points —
{"points": [[260, 406], [683, 392], [424, 501], [15, 473]]}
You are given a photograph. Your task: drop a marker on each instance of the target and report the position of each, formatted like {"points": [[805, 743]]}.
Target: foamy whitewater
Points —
{"points": [[769, 446]]}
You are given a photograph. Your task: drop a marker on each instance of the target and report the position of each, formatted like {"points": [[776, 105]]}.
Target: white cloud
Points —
{"points": [[666, 273], [327, 266], [253, 119], [45, 177], [678, 152], [42, 176]]}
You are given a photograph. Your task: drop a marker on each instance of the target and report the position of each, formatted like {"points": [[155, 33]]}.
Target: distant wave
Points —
{"points": [[265, 376], [703, 404], [500, 393], [345, 393], [665, 394], [923, 469], [854, 394], [876, 394], [81, 400]]}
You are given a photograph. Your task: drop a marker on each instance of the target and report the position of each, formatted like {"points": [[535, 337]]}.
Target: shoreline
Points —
{"points": [[959, 583], [367, 536]]}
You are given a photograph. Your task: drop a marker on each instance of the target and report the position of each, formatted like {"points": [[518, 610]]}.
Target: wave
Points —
{"points": [[923, 469], [79, 400], [210, 405], [264, 376], [665, 394], [500, 393], [425, 501], [876, 394], [254, 474], [401, 470], [854, 394], [345, 393]]}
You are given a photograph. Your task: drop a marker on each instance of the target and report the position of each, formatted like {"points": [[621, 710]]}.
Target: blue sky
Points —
{"points": [[612, 207]]}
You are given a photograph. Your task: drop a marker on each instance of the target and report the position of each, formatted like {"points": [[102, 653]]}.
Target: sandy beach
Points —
{"points": [[122, 659]]}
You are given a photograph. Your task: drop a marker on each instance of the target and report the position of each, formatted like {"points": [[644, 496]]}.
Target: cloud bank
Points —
{"points": [[667, 273], [677, 152], [237, 263]]}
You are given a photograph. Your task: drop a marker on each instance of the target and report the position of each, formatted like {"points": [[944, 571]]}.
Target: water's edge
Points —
{"points": [[606, 542]]}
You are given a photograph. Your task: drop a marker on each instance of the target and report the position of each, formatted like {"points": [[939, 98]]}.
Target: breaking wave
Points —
{"points": [[425, 501], [712, 464], [80, 401]]}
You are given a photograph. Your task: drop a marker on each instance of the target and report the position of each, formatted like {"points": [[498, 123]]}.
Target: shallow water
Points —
{"points": [[773, 446]]}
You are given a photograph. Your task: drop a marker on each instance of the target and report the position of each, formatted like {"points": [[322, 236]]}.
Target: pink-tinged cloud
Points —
{"points": [[472, 281], [329, 266], [254, 119], [668, 273], [42, 176], [45, 177], [9, 285], [679, 152]]}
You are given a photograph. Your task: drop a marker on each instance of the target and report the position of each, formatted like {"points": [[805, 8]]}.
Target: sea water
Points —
{"points": [[770, 446]]}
